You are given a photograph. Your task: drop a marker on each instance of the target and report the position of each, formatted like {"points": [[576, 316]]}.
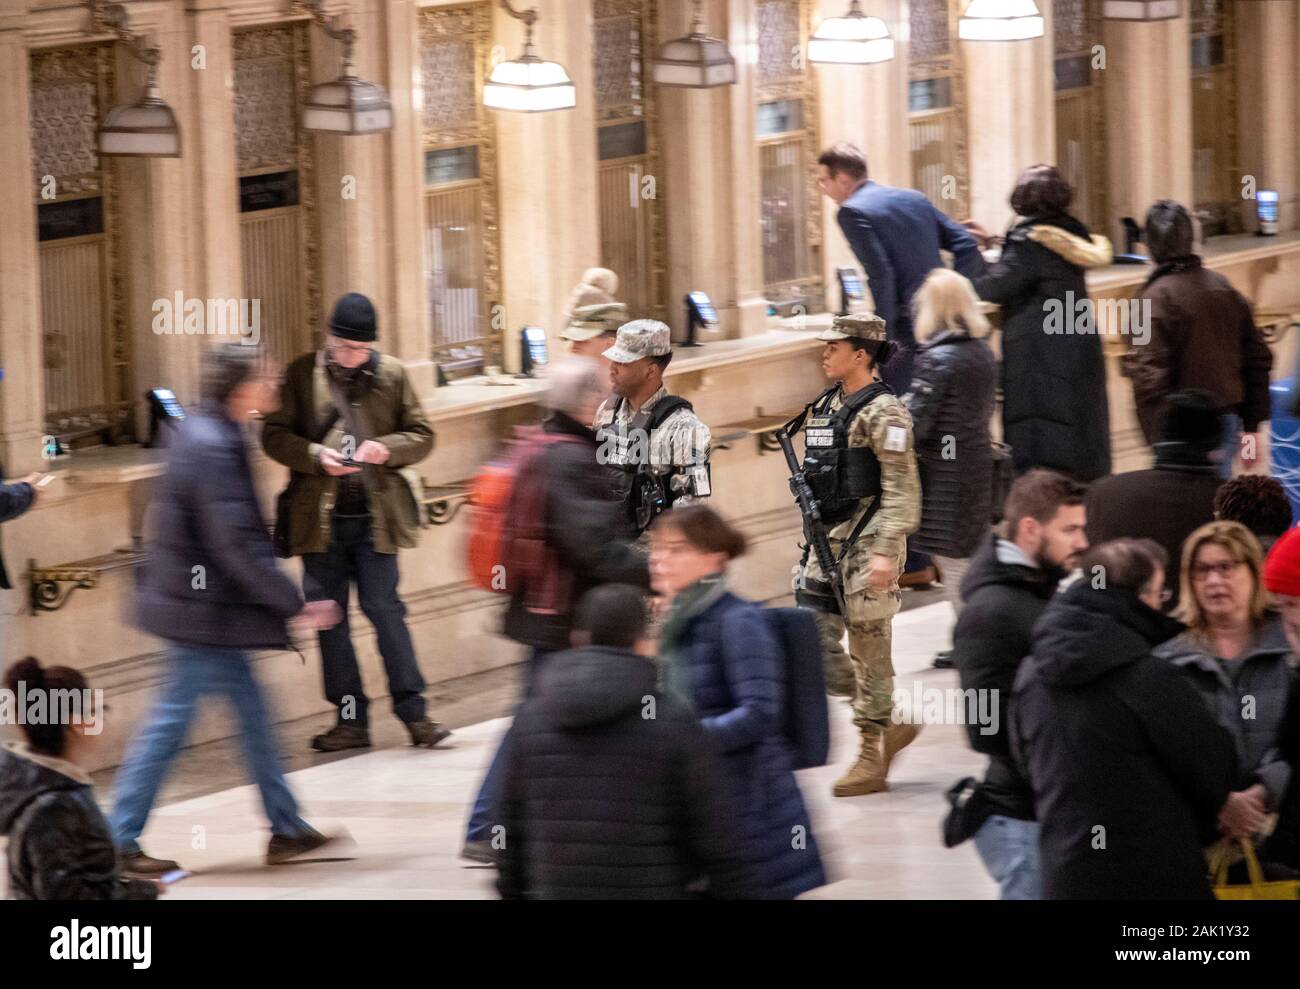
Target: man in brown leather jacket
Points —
{"points": [[1203, 335]]}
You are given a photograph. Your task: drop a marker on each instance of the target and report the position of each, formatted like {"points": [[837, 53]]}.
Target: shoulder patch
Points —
{"points": [[895, 436]]}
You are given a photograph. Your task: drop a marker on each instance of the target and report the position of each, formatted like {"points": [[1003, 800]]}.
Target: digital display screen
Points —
{"points": [[852, 284], [1266, 206], [704, 308], [535, 338]]}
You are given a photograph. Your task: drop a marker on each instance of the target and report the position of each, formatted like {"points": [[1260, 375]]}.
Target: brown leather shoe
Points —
{"points": [[285, 849], [342, 737], [867, 775], [138, 865], [426, 733]]}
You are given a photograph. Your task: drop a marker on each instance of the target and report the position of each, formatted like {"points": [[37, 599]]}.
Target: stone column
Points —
{"points": [[22, 389], [1148, 93], [865, 104], [711, 160], [156, 216], [550, 231], [1268, 96], [352, 192], [1010, 117]]}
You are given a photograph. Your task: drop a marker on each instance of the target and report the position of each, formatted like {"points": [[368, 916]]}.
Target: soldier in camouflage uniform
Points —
{"points": [[644, 431], [855, 350]]}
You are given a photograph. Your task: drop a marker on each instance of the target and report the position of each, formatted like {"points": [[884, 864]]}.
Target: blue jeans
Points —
{"points": [[1009, 850], [480, 818], [327, 577], [193, 672]]}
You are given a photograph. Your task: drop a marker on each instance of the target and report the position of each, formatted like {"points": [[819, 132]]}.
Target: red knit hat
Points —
{"points": [[1282, 568]]}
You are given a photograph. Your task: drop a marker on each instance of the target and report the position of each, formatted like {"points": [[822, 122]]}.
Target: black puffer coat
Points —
{"points": [[954, 392], [608, 797], [1054, 410], [60, 847], [1129, 767]]}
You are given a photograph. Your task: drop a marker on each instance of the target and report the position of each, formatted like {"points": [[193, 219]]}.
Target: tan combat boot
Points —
{"points": [[898, 737], [867, 775]]}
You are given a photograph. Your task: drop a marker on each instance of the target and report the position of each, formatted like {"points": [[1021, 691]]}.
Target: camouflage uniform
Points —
{"points": [[682, 441], [885, 426]]}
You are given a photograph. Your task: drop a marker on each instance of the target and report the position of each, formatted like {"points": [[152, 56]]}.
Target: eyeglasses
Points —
{"points": [[1224, 568]]}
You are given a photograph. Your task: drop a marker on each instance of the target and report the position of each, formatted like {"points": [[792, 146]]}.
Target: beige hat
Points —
{"points": [[592, 309], [640, 338], [862, 326]]}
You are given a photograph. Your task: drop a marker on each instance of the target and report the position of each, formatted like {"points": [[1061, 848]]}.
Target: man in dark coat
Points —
{"points": [[585, 528], [1173, 498], [213, 590], [1054, 411], [1129, 767], [610, 790], [1203, 335], [1005, 591]]}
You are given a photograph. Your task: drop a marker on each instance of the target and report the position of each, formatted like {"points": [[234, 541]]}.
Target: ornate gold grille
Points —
{"points": [[791, 217], [462, 245], [83, 289], [936, 107], [1080, 106], [1215, 168], [630, 183], [279, 242]]}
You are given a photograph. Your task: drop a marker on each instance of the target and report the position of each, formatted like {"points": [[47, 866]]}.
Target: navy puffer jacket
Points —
{"points": [[737, 689]]}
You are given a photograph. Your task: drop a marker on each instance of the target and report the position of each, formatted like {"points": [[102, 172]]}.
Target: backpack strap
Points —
{"points": [[665, 407], [796, 424], [855, 403]]}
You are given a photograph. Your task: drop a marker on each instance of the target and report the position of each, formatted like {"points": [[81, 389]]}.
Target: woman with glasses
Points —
{"points": [[1236, 654]]}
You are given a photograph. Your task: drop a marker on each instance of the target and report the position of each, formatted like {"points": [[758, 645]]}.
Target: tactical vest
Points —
{"points": [[645, 492], [840, 476]]}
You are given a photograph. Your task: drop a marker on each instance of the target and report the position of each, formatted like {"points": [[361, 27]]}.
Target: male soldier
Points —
{"points": [[654, 438], [861, 467]]}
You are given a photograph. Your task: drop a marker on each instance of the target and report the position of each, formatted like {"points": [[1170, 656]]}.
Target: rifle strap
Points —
{"points": [[857, 530]]}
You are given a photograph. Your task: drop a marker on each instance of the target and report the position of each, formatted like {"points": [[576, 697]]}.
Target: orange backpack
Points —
{"points": [[507, 550]]}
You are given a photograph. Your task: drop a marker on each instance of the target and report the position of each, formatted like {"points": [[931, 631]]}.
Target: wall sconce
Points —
{"points": [[528, 84], [1141, 10], [347, 105], [1000, 20], [854, 39], [147, 129], [696, 61]]}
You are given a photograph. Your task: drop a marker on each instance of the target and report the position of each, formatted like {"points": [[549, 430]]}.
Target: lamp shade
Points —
{"points": [[696, 61], [142, 130], [347, 106], [1141, 10], [1000, 20], [529, 85], [854, 39]]}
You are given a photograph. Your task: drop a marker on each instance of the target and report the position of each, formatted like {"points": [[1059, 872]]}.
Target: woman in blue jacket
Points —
{"points": [[718, 652]]}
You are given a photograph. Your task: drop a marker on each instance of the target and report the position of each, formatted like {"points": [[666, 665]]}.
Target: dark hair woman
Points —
{"points": [[719, 654], [60, 847], [1054, 411]]}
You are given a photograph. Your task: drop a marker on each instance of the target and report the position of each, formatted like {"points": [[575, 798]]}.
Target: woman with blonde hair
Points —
{"points": [[1236, 655], [953, 396]]}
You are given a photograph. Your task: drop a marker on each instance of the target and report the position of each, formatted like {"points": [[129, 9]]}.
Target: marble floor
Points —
{"points": [[404, 810]]}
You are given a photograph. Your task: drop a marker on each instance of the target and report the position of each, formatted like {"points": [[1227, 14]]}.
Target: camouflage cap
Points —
{"points": [[640, 338], [586, 322], [862, 326]]}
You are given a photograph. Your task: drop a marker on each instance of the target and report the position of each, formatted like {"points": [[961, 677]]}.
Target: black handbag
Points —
{"points": [[970, 809], [1003, 475]]}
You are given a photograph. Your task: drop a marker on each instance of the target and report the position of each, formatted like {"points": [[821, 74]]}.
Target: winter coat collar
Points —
{"points": [[989, 568], [1190, 649], [1080, 249], [21, 750], [1186, 457], [562, 422], [949, 335], [1172, 266], [1087, 632]]}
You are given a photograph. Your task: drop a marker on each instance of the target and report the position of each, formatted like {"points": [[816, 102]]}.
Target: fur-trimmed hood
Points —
{"points": [[1090, 252]]}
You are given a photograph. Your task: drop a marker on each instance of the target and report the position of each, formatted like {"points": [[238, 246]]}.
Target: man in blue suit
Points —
{"points": [[896, 235]]}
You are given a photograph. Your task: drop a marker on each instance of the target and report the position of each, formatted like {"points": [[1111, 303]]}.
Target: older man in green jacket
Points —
{"points": [[349, 425]]}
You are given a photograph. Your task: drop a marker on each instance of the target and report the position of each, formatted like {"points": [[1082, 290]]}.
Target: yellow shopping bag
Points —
{"points": [[1258, 888]]}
